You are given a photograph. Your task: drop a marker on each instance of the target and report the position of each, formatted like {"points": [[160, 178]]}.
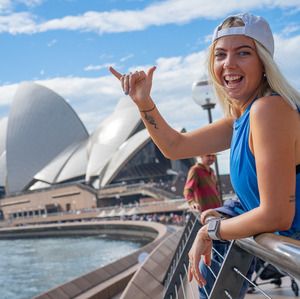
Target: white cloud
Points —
{"points": [[5, 5], [288, 57], [52, 43], [94, 98], [157, 14], [98, 67], [126, 57], [171, 88], [31, 2], [7, 93], [18, 23], [291, 28]]}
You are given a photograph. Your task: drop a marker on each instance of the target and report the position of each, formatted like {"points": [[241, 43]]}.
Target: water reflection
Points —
{"points": [[29, 267]]}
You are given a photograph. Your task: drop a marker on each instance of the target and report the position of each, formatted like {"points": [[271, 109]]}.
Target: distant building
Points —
{"points": [[44, 147]]}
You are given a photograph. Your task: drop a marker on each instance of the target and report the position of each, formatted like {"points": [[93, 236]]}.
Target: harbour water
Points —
{"points": [[29, 267]]}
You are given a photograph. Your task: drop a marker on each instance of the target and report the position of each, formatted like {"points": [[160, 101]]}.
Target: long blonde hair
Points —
{"points": [[272, 82]]}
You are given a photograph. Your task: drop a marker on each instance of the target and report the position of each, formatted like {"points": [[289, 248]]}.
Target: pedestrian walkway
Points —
{"points": [[283, 292]]}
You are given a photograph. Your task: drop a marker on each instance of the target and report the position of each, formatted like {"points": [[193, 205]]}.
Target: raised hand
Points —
{"points": [[137, 85]]}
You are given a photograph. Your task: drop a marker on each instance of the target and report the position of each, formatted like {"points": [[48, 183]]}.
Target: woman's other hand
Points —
{"points": [[202, 246], [209, 213]]}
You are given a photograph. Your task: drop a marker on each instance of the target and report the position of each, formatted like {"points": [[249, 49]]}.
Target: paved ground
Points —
{"points": [[283, 292]]}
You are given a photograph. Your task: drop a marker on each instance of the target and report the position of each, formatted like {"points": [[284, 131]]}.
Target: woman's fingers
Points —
{"points": [[207, 260], [139, 79], [190, 273], [207, 213], [134, 78], [137, 76], [125, 83], [204, 215], [199, 278], [115, 73], [193, 271]]}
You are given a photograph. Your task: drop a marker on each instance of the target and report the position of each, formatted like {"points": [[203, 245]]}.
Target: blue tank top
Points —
{"points": [[243, 170]]}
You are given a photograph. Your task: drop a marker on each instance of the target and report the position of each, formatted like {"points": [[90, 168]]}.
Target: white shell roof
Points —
{"points": [[3, 169], [76, 164], [40, 126], [48, 144], [125, 152], [3, 130], [111, 133], [39, 185], [70, 163]]}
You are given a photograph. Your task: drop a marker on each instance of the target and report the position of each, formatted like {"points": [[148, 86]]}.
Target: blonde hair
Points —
{"points": [[272, 82]]}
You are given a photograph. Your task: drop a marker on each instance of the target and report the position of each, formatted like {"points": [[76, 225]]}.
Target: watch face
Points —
{"points": [[212, 225], [213, 229]]}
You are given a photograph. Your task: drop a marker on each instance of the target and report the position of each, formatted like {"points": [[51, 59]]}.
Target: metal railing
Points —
{"points": [[178, 267], [282, 252]]}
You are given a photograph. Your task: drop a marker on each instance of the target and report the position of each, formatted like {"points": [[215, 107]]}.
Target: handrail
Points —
{"points": [[280, 251], [177, 269]]}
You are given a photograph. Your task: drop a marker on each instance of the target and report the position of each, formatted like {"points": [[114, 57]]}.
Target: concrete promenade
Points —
{"points": [[275, 292], [120, 229], [283, 292]]}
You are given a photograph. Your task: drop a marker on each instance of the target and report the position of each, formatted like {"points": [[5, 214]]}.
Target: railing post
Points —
{"points": [[180, 260], [228, 282]]}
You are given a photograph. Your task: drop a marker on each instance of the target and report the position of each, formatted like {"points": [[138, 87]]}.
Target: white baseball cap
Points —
{"points": [[255, 27]]}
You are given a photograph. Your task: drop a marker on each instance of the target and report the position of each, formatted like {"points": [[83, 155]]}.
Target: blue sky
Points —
{"points": [[67, 45]]}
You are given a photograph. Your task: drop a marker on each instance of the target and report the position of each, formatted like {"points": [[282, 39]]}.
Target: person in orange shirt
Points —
{"points": [[201, 189]]}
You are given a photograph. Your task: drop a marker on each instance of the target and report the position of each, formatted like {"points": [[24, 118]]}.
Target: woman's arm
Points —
{"points": [[274, 126], [173, 144]]}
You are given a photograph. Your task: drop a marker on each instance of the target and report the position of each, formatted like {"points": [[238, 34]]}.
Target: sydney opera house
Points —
{"points": [[49, 162]]}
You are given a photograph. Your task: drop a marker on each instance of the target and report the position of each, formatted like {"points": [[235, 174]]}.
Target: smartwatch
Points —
{"points": [[213, 228]]}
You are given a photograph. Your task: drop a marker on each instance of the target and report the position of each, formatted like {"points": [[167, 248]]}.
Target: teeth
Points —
{"points": [[232, 77]]}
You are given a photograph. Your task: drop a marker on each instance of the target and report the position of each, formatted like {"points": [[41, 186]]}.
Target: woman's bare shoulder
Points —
{"points": [[273, 107]]}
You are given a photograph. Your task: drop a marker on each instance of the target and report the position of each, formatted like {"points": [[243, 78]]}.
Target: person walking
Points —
{"points": [[201, 188]]}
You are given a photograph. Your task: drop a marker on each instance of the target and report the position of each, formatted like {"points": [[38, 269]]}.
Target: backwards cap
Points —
{"points": [[255, 27]]}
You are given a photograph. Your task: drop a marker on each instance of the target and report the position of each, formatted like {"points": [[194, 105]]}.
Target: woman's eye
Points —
{"points": [[219, 54], [244, 53]]}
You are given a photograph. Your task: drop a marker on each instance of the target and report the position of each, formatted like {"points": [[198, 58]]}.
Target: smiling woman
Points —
{"points": [[261, 127]]}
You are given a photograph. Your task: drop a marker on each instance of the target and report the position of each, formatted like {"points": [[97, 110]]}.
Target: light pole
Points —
{"points": [[202, 95]]}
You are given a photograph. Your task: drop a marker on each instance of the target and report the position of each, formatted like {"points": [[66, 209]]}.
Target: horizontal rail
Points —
{"points": [[279, 251]]}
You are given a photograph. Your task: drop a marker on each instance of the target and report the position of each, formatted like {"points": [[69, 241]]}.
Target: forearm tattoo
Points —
{"points": [[292, 198], [150, 119]]}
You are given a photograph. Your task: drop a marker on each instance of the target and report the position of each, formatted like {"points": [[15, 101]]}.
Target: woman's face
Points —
{"points": [[237, 67]]}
